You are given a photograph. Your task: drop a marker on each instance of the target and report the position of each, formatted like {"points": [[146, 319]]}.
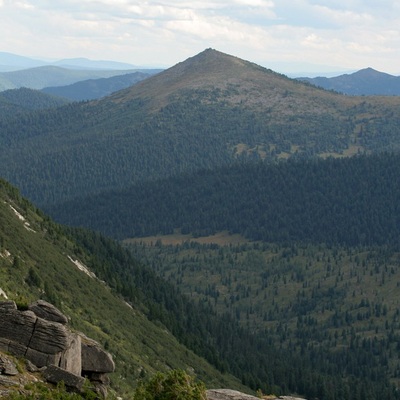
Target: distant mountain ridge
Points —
{"points": [[364, 82], [13, 62], [209, 111], [44, 76], [97, 88]]}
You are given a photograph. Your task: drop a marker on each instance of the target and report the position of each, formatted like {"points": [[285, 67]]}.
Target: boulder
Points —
{"points": [[228, 394], [71, 358], [41, 359], [94, 358], [41, 336], [7, 382], [17, 325], [8, 305], [16, 348], [7, 366], [49, 337], [55, 375], [47, 311]]}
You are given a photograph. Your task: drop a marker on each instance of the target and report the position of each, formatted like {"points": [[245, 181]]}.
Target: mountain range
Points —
{"points": [[210, 110], [361, 83], [97, 88], [14, 62], [304, 179], [44, 76]]}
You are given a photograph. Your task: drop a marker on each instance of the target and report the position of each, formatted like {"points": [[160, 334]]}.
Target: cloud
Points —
{"points": [[350, 33]]}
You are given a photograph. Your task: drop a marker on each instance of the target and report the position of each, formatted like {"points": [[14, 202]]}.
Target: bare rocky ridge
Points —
{"points": [[41, 336]]}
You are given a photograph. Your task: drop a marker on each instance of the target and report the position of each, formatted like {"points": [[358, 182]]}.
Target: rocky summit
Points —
{"points": [[40, 335]]}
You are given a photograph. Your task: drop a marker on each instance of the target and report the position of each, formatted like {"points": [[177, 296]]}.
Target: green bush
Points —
{"points": [[175, 385]]}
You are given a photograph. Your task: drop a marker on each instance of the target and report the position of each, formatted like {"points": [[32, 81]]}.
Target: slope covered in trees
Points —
{"points": [[208, 111], [35, 262], [40, 259], [24, 100], [350, 201], [96, 88], [335, 306]]}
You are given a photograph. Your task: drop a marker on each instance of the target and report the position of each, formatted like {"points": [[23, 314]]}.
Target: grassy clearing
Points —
{"points": [[223, 238]]}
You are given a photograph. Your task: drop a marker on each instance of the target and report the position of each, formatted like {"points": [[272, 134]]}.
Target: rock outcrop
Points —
{"points": [[228, 394], [40, 335]]}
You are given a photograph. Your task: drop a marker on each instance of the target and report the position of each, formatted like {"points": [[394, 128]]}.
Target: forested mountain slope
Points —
{"points": [[40, 259], [96, 88], [210, 110], [335, 306], [23, 100], [321, 278], [349, 201]]}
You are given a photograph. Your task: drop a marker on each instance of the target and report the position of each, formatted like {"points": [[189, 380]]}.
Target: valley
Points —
{"points": [[218, 218]]}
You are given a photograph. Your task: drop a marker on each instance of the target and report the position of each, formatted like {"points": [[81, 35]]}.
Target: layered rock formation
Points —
{"points": [[40, 334]]}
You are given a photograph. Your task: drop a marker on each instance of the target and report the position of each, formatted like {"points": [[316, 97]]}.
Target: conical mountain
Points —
{"points": [[205, 112], [239, 81]]}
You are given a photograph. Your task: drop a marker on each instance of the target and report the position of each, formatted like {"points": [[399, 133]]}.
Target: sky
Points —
{"points": [[288, 36]]}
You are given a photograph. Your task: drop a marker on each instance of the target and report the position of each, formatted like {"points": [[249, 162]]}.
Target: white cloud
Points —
{"points": [[347, 33]]}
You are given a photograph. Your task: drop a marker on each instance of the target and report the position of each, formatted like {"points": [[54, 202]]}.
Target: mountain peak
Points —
{"points": [[371, 73], [208, 69]]}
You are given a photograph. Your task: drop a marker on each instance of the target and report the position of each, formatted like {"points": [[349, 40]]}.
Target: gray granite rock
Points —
{"points": [[47, 311], [228, 394], [41, 359], [41, 336], [17, 325], [94, 358], [55, 375], [71, 358], [8, 305], [7, 366], [49, 337]]}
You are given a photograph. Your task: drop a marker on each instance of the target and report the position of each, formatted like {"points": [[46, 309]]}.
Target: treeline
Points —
{"points": [[350, 201]]}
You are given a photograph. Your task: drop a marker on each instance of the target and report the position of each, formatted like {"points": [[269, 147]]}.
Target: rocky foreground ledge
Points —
{"points": [[228, 394], [40, 335]]}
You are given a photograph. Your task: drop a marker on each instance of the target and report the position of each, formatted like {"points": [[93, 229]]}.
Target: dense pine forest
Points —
{"points": [[23, 100], [304, 302], [251, 356], [352, 201], [262, 358], [317, 276], [212, 110]]}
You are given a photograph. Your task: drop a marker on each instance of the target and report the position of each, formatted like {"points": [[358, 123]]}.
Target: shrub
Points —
{"points": [[175, 385]]}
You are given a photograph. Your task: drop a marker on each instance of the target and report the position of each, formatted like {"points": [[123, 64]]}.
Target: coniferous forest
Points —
{"points": [[315, 275], [305, 301], [351, 201]]}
